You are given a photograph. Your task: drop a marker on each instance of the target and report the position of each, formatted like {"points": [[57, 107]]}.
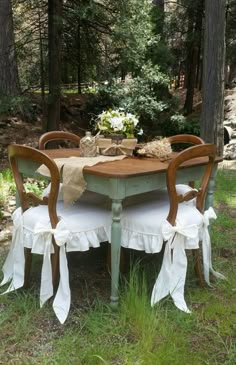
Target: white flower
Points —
{"points": [[118, 121]]}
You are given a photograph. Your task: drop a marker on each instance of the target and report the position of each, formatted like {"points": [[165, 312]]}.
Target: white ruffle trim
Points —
{"points": [[151, 243], [84, 240], [77, 241], [141, 241]]}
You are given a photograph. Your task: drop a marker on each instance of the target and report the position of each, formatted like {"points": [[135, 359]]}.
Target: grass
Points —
{"points": [[7, 185], [8, 188], [134, 333]]}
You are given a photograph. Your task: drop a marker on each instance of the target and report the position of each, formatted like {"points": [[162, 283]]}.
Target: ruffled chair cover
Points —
{"points": [[144, 227], [81, 226]]}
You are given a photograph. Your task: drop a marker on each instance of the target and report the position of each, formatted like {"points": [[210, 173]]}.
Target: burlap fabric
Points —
{"points": [[108, 147], [73, 182]]}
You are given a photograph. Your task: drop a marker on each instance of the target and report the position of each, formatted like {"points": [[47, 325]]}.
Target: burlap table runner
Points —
{"points": [[73, 182]]}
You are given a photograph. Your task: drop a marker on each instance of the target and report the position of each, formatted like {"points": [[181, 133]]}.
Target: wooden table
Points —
{"points": [[123, 178]]}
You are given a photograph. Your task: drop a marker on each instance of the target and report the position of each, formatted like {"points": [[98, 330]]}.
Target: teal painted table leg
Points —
{"points": [[115, 249]]}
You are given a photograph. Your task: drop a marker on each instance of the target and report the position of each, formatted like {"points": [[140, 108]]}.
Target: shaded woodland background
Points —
{"points": [[66, 61]]}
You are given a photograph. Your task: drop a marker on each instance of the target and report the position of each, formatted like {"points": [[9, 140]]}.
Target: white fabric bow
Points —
{"points": [[61, 303], [206, 247], [14, 266], [62, 300], [171, 279]]}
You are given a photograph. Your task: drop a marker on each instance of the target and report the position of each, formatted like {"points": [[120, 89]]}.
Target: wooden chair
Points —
{"points": [[45, 226], [186, 140], [88, 195], [174, 217], [53, 136]]}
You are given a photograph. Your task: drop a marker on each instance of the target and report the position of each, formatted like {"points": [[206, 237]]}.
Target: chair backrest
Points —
{"points": [[58, 136], [18, 153], [184, 141], [203, 150], [186, 138]]}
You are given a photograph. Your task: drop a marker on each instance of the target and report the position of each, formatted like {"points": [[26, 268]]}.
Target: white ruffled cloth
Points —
{"points": [[74, 183], [81, 226], [144, 227]]}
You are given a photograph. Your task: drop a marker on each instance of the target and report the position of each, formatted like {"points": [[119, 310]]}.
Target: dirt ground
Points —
{"points": [[14, 130]]}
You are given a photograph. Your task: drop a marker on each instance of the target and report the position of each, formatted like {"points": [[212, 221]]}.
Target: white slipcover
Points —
{"points": [[81, 226], [144, 227]]}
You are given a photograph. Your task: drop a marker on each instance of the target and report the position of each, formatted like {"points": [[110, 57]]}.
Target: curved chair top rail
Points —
{"points": [[18, 153], [186, 138], [202, 150], [57, 136]]}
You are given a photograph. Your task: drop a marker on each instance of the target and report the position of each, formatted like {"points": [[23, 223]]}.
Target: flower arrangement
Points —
{"points": [[117, 121]]}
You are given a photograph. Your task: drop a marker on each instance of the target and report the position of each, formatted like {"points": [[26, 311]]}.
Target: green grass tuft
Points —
{"points": [[134, 333]]}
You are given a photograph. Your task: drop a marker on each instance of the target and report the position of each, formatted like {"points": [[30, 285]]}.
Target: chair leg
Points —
{"points": [[28, 261], [198, 268], [55, 267]]}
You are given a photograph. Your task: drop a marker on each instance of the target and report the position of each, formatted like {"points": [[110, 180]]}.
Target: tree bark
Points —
{"points": [[79, 59], [9, 80], [193, 46], [212, 130], [54, 62], [42, 72], [160, 17]]}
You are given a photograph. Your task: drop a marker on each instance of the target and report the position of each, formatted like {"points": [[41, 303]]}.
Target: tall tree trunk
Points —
{"points": [[54, 66], [212, 129], [42, 72], [79, 59], [9, 80], [160, 21], [199, 67], [193, 45]]}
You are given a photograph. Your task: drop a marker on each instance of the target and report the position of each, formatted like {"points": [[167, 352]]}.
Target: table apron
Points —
{"points": [[120, 188]]}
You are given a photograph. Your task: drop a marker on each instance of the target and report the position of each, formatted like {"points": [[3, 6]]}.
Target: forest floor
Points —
{"points": [[32, 335], [133, 333]]}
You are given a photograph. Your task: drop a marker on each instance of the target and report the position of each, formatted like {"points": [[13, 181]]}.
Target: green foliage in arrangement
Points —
{"points": [[96, 333]]}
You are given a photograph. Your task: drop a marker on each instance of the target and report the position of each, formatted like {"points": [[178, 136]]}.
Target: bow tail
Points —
{"points": [[178, 273], [207, 260], [206, 254], [61, 303], [8, 266], [14, 266], [46, 287], [162, 285]]}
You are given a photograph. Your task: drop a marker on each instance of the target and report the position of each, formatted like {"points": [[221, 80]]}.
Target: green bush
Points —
{"points": [[10, 104], [178, 124], [145, 95]]}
